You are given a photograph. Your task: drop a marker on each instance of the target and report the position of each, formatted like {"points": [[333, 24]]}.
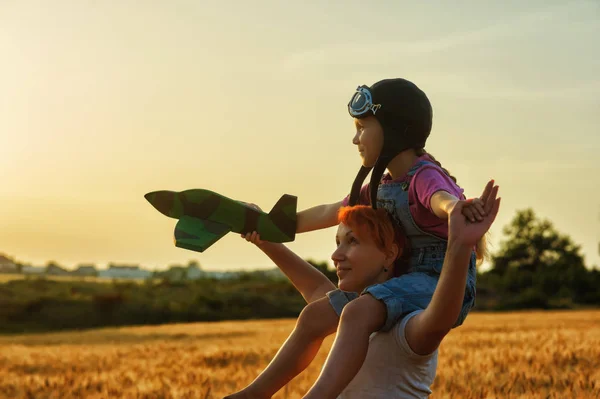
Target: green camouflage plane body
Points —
{"points": [[205, 217]]}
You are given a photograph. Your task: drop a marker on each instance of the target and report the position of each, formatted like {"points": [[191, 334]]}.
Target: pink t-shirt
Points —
{"points": [[428, 180]]}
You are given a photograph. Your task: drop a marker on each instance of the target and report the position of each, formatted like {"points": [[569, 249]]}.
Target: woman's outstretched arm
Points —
{"points": [[310, 282], [425, 331]]}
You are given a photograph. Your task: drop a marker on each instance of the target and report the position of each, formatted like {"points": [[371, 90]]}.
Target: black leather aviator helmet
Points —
{"points": [[405, 114]]}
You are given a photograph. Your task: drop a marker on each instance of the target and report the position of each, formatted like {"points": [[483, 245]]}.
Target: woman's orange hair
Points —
{"points": [[378, 226]]}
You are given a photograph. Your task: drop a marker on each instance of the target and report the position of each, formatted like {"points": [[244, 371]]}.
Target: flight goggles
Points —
{"points": [[362, 102]]}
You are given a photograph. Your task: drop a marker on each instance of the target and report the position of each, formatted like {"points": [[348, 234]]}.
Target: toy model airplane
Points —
{"points": [[205, 217]]}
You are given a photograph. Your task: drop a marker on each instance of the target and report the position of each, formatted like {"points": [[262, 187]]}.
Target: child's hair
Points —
{"points": [[481, 249], [421, 152], [379, 226]]}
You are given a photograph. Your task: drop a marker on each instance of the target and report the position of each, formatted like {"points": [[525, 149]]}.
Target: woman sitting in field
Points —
{"points": [[400, 363]]}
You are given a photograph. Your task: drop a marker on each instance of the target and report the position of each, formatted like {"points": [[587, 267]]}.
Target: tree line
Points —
{"points": [[536, 267]]}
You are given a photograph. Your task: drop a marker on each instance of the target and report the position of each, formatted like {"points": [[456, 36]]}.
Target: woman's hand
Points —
{"points": [[253, 237], [465, 230]]}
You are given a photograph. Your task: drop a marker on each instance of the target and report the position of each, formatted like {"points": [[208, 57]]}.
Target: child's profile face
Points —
{"points": [[369, 139], [358, 261]]}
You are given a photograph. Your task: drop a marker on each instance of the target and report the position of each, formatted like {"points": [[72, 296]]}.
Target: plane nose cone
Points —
{"points": [[163, 201]]}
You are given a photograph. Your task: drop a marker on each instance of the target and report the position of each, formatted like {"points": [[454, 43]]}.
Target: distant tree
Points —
{"points": [[194, 264], [536, 256], [53, 264]]}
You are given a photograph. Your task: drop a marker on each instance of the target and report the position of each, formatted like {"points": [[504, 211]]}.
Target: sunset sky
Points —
{"points": [[102, 102]]}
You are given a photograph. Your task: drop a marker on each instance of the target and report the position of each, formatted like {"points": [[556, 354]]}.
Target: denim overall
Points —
{"points": [[412, 291]]}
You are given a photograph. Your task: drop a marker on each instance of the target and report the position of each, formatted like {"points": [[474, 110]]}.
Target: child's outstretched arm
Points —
{"points": [[317, 217], [442, 203]]}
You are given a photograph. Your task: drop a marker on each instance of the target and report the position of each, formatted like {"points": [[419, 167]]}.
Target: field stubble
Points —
{"points": [[502, 355]]}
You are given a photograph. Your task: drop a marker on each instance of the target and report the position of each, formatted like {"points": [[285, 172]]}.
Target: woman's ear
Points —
{"points": [[392, 255]]}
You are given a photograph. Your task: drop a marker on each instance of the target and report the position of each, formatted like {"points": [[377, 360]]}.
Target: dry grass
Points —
{"points": [[516, 355]]}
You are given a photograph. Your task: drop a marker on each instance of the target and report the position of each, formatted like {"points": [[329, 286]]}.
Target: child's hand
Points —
{"points": [[473, 209]]}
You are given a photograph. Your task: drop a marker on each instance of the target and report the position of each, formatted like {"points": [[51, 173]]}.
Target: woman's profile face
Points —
{"points": [[358, 261]]}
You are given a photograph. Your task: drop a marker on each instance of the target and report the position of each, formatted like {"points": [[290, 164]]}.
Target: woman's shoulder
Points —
{"points": [[399, 332]]}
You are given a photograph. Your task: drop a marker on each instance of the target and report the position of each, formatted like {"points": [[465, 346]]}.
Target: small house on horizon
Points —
{"points": [[124, 271], [193, 271], [86, 271], [7, 265], [178, 272], [174, 273], [55, 270], [33, 270]]}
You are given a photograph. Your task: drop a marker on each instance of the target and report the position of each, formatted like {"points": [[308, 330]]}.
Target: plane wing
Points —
{"points": [[198, 234]]}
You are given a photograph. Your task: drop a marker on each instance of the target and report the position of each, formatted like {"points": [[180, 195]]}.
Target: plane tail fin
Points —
{"points": [[283, 215]]}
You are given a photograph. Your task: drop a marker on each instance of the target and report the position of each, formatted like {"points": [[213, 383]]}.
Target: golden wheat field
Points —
{"points": [[509, 355]]}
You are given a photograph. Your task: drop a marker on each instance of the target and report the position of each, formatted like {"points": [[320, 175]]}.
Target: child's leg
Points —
{"points": [[316, 321], [359, 319]]}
